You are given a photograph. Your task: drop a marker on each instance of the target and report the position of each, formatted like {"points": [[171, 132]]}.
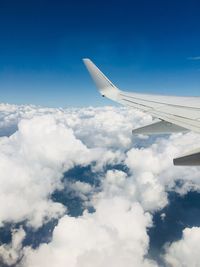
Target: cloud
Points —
{"points": [[47, 143], [32, 163], [185, 252], [41, 144], [115, 235], [12, 252], [153, 171], [194, 58], [108, 127]]}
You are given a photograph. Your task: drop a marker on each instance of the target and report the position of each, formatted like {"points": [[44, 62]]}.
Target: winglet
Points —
{"points": [[104, 85]]}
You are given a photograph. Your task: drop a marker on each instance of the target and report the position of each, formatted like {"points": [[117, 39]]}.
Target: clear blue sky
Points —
{"points": [[142, 45]]}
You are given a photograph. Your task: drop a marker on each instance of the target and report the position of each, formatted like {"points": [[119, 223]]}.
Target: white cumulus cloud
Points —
{"points": [[32, 162], [115, 235], [185, 252]]}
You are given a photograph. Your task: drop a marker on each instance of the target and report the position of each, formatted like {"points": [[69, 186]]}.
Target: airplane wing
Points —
{"points": [[175, 114]]}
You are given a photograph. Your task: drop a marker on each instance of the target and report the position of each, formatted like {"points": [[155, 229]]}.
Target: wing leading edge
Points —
{"points": [[176, 114]]}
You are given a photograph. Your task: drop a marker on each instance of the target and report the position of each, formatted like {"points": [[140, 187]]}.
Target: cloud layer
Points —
{"points": [[38, 145]]}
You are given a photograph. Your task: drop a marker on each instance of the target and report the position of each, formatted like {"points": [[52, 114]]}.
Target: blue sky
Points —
{"points": [[146, 46]]}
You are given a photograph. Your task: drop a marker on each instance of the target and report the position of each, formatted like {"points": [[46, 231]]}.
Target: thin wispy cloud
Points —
{"points": [[194, 58]]}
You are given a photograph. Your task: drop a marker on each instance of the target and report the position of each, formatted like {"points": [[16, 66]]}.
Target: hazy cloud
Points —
{"points": [[13, 252], [194, 58]]}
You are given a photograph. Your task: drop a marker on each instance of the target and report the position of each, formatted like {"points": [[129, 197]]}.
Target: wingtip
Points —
{"points": [[85, 59]]}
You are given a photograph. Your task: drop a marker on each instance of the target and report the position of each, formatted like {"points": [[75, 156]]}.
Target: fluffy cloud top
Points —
{"points": [[32, 162], [185, 252], [115, 235]]}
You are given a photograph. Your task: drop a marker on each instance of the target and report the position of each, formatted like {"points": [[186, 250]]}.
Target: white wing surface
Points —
{"points": [[176, 113]]}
